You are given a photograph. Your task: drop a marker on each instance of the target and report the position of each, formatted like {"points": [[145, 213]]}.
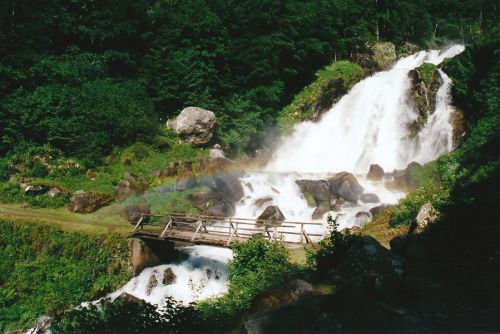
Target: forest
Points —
{"points": [[90, 85]]}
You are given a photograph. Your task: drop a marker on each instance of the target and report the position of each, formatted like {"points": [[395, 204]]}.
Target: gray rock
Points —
{"points": [[345, 185], [152, 283], [194, 124], [263, 200], [213, 203], [362, 218], [379, 210], [369, 198], [426, 215], [169, 277], [124, 189], [319, 189], [319, 212], [86, 202], [376, 173], [35, 190], [54, 192], [216, 152], [271, 216]]}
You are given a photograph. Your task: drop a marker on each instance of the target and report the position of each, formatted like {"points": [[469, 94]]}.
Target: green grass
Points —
{"points": [[427, 72], [46, 270], [302, 105]]}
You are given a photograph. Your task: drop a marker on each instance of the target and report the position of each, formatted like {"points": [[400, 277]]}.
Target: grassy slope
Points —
{"points": [[73, 266]]}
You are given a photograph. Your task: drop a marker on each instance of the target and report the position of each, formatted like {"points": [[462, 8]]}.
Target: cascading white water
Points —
{"points": [[200, 275], [367, 126]]}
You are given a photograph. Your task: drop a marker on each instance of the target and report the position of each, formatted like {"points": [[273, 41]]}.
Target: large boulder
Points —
{"points": [[345, 185], [228, 184], [369, 198], [458, 123], [216, 152], [124, 189], [86, 201], [330, 93], [376, 173], [318, 189], [379, 210], [212, 203], [194, 124], [320, 211], [271, 216]]}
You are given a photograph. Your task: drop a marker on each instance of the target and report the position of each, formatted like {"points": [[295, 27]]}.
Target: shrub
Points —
{"points": [[332, 249]]}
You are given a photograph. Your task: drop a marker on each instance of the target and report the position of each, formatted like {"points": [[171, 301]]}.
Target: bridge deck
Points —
{"points": [[220, 231]]}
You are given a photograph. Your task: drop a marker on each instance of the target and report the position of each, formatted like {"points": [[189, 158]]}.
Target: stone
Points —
{"points": [[458, 123], [194, 124], [186, 182], [54, 192], [216, 152], [130, 177], [42, 326], [369, 198], [133, 213], [152, 283], [130, 298], [319, 189], [35, 190], [227, 183], [86, 201], [379, 210], [345, 185], [319, 212], [271, 216], [426, 215], [362, 218], [330, 93], [263, 200], [404, 179], [124, 189], [169, 277], [213, 203], [376, 173]]}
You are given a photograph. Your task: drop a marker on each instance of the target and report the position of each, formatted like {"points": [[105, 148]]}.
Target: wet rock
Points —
{"points": [[213, 203], [130, 298], [405, 179], [362, 218], [458, 123], [369, 198], [319, 189], [345, 185], [376, 173], [42, 326], [426, 215], [86, 202], [228, 184], [249, 186], [330, 93], [152, 283], [169, 277], [134, 212], [271, 216], [425, 82], [319, 212], [130, 176], [194, 124], [263, 200]]}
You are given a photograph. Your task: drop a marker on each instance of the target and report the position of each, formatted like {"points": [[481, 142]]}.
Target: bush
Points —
{"points": [[128, 316], [332, 249], [257, 266]]}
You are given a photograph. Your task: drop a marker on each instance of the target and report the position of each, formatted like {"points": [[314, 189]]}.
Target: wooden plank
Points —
{"points": [[164, 233], [138, 223], [197, 230]]}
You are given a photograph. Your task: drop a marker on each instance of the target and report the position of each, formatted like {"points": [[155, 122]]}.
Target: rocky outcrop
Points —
{"points": [[216, 152], [362, 218], [124, 189], [152, 283], [345, 185], [194, 124], [425, 82], [86, 202], [330, 93], [376, 173], [407, 179], [271, 216], [55, 192], [319, 212], [458, 123], [379, 210], [263, 200]]}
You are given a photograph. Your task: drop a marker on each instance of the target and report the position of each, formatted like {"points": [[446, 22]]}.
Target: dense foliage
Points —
{"points": [[73, 267], [85, 76]]}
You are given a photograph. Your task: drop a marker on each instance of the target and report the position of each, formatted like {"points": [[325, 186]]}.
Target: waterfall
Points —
{"points": [[369, 125]]}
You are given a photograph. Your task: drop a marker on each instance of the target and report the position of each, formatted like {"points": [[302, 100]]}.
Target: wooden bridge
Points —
{"points": [[221, 231]]}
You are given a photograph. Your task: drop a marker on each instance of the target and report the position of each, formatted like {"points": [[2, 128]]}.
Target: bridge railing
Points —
{"points": [[230, 228]]}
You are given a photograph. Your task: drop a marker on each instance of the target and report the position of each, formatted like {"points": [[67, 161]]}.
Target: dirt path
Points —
{"points": [[102, 221]]}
